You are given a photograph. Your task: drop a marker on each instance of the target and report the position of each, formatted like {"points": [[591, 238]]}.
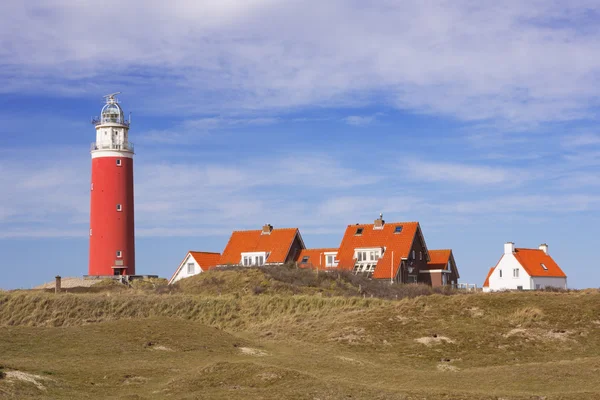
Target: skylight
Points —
{"points": [[304, 260], [545, 268], [359, 231], [398, 229]]}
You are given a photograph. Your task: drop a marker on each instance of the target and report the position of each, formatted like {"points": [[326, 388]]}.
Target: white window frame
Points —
{"points": [[544, 266], [119, 207], [193, 268], [119, 162], [333, 262], [255, 258], [119, 254], [516, 273]]}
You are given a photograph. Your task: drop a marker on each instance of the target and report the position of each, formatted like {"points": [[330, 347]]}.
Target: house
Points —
{"points": [[195, 262], [323, 259], [395, 251], [268, 246], [525, 269], [441, 269]]}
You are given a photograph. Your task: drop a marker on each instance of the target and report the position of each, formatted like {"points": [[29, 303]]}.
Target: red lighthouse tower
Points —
{"points": [[112, 238]]}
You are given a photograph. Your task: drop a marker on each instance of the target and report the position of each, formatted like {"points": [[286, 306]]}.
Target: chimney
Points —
{"points": [[267, 229], [57, 284], [379, 222], [509, 248], [544, 247]]}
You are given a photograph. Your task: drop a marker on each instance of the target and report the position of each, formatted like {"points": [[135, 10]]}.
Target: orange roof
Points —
{"points": [[487, 278], [315, 258], [438, 259], [277, 243], [399, 244], [532, 260], [205, 260]]}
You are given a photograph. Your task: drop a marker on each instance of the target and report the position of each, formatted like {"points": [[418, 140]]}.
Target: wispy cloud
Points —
{"points": [[358, 120], [494, 61], [462, 173]]}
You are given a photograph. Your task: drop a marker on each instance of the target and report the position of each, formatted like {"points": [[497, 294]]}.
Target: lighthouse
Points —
{"points": [[112, 237]]}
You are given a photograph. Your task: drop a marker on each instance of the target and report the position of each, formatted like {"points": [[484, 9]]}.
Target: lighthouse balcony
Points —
{"points": [[126, 146]]}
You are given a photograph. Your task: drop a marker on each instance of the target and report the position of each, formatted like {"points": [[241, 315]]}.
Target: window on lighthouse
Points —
{"points": [[118, 162], [119, 207], [119, 254]]}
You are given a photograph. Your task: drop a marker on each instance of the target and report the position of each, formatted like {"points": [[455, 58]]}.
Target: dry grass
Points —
{"points": [[155, 343]]}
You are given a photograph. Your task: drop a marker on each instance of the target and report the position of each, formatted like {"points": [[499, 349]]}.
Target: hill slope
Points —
{"points": [[139, 345]]}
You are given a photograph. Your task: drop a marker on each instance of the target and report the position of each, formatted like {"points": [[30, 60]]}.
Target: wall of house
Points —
{"points": [[507, 263], [294, 250], [419, 263], [544, 282], [183, 272], [452, 277]]}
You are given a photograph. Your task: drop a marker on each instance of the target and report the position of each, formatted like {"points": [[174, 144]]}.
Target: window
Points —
{"points": [[92, 188], [118, 162], [260, 260], [516, 273], [372, 256], [420, 255], [359, 231], [519, 287], [500, 273], [330, 261], [304, 260], [398, 229], [544, 266], [246, 261], [190, 268], [360, 256], [119, 254], [90, 231], [413, 254], [538, 286], [119, 207]]}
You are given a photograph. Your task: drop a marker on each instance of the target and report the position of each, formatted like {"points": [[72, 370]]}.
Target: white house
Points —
{"points": [[194, 263], [525, 269]]}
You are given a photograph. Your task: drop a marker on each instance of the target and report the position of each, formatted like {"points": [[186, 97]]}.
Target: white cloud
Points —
{"points": [[475, 175], [519, 61], [358, 120]]}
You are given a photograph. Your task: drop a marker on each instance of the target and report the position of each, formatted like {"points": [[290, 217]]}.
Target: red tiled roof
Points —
{"points": [[398, 244], [487, 278], [205, 260], [532, 260], [316, 258], [277, 243], [438, 259]]}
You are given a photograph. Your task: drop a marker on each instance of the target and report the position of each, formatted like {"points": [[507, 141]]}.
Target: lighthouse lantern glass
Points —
{"points": [[112, 112]]}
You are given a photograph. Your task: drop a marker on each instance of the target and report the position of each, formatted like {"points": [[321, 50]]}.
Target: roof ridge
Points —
{"points": [[260, 230], [388, 223], [203, 252]]}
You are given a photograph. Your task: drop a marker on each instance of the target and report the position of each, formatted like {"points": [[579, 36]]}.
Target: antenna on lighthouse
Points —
{"points": [[110, 98]]}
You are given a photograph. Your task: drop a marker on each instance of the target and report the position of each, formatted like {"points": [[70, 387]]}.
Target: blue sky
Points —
{"points": [[477, 119]]}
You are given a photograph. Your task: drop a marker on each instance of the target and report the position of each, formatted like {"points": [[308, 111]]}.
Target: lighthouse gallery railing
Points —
{"points": [[127, 146]]}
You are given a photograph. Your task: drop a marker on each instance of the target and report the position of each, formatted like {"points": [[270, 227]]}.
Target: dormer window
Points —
{"points": [[255, 258], [544, 266], [304, 260], [398, 229], [359, 231]]}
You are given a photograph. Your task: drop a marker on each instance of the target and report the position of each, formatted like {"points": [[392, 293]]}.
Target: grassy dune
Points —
{"points": [[192, 343]]}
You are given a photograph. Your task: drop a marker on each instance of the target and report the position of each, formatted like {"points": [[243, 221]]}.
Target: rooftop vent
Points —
{"points": [[267, 229]]}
